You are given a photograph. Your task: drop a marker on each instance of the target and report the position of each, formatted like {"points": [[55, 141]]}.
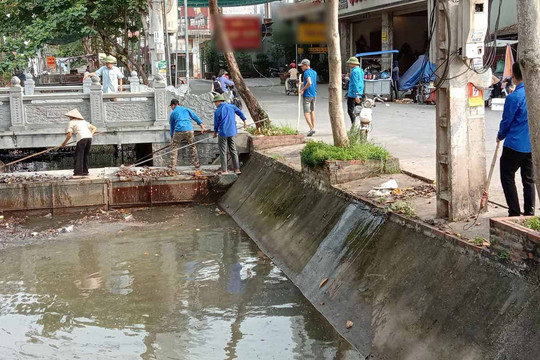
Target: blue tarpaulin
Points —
{"points": [[412, 75]]}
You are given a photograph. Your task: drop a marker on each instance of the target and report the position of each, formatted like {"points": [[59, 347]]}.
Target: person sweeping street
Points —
{"points": [[514, 130], [84, 132], [225, 130], [181, 124]]}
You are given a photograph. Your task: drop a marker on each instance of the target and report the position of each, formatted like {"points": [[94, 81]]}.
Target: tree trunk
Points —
{"points": [[335, 108], [529, 59], [257, 113]]}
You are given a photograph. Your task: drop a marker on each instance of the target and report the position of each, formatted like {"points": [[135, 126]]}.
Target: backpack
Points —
{"points": [[217, 87]]}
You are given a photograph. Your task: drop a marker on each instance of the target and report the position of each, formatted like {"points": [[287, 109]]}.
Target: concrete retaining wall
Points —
{"points": [[410, 292]]}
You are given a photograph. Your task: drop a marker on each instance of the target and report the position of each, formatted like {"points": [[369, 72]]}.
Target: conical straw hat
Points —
{"points": [[74, 114]]}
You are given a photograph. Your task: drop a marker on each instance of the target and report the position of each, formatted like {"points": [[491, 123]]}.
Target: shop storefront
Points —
{"points": [[380, 25]]}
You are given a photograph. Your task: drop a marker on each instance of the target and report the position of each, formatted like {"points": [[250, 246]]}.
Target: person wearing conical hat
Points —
{"points": [[356, 87], [83, 131], [225, 130], [110, 74]]}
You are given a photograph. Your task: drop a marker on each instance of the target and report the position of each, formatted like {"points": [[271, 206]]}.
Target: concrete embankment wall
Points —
{"points": [[411, 293]]}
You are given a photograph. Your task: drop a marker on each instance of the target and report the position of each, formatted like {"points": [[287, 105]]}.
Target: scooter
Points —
{"points": [[364, 115], [235, 98], [291, 86]]}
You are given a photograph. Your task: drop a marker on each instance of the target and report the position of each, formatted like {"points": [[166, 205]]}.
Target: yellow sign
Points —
{"points": [[384, 36], [476, 96], [318, 50], [311, 33]]}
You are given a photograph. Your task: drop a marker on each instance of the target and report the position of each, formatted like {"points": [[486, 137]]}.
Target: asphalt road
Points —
{"points": [[406, 130]]}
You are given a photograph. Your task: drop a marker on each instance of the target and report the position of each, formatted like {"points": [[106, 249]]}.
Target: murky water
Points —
{"points": [[186, 284]]}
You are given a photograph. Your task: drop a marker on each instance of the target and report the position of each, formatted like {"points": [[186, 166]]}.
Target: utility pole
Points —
{"points": [[157, 41], [186, 29], [529, 45], [460, 129]]}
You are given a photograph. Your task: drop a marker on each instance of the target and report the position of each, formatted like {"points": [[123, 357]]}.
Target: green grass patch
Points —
{"points": [[478, 241], [403, 207], [533, 223], [315, 153], [272, 130]]}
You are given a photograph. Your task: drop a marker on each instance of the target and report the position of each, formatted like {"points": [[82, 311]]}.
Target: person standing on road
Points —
{"points": [[83, 131], [225, 130], [292, 75], [111, 75], [182, 130], [309, 92], [356, 87], [395, 78], [514, 130]]}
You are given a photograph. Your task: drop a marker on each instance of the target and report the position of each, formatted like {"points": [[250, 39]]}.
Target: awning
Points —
{"points": [[224, 3], [502, 43], [373, 53]]}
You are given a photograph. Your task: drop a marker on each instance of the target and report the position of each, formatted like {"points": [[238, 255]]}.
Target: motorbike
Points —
{"points": [[364, 115], [276, 70], [345, 82], [291, 86], [235, 98]]}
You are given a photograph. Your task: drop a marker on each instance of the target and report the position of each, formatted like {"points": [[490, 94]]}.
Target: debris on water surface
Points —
{"points": [[34, 178], [349, 324], [324, 281], [146, 172]]}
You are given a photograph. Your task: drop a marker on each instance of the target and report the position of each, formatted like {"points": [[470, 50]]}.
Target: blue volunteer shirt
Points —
{"points": [[224, 121], [514, 127], [180, 119], [224, 82], [312, 90], [356, 82]]}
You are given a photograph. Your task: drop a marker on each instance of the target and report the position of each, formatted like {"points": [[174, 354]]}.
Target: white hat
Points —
{"points": [[74, 114]]}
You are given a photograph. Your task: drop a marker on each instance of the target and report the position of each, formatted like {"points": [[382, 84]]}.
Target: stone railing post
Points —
{"points": [[160, 100], [16, 105], [97, 110], [134, 84], [29, 85], [86, 84]]}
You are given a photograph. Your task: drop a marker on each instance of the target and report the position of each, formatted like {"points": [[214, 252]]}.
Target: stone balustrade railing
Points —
{"points": [[27, 107]]}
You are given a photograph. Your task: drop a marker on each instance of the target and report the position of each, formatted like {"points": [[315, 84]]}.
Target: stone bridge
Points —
{"points": [[33, 117]]}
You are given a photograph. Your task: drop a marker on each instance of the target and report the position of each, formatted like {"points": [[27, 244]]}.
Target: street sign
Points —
{"points": [[162, 67], [51, 62], [311, 33], [476, 96], [318, 50], [244, 31]]}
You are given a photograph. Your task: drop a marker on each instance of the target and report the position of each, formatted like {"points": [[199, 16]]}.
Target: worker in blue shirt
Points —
{"points": [[224, 81], [225, 130], [356, 87], [309, 93], [181, 124], [514, 130]]}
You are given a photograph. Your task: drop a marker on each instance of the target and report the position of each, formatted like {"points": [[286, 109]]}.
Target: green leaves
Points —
{"points": [[28, 25]]}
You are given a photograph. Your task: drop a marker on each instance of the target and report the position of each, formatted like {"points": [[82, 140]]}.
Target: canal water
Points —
{"points": [[171, 283]]}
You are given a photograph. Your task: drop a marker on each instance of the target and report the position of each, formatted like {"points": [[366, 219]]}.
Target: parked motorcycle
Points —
{"points": [[276, 70], [345, 82], [364, 115]]}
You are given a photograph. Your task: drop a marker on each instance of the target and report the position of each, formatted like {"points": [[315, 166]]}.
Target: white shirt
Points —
{"points": [[110, 78], [293, 72], [79, 128]]}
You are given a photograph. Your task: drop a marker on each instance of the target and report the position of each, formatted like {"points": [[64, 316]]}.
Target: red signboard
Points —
{"points": [[51, 62], [244, 32]]}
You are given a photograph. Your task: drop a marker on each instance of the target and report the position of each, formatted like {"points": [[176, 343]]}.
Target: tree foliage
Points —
{"points": [[27, 25]]}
